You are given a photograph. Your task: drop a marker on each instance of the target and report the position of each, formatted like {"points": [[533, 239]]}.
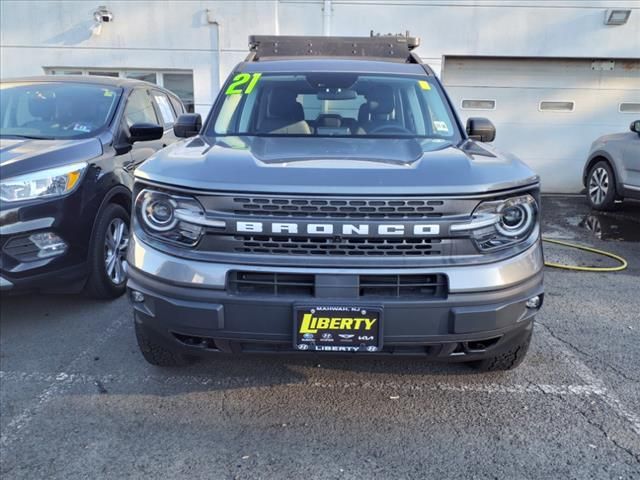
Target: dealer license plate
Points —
{"points": [[336, 328]]}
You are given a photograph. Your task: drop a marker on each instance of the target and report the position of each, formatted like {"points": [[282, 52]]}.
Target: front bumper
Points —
{"points": [[187, 305], [21, 268]]}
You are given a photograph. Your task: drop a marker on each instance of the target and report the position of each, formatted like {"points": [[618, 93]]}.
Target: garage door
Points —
{"points": [[547, 111]]}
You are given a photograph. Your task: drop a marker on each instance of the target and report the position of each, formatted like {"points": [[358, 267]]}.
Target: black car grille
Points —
{"points": [[277, 284], [343, 247], [417, 286], [337, 208], [369, 286]]}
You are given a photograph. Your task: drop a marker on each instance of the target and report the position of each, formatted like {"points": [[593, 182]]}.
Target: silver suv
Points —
{"points": [[333, 205], [612, 171]]}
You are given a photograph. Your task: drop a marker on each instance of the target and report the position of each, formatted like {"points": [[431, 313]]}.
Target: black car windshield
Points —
{"points": [[55, 110], [333, 104]]}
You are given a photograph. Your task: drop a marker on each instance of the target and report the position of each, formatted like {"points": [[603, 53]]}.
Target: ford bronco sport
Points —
{"points": [[332, 202]]}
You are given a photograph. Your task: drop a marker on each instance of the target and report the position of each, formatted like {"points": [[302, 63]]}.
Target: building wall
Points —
{"points": [[182, 35]]}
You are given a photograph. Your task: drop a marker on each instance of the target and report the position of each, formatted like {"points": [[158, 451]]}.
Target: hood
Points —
{"points": [[20, 156], [335, 166], [616, 137]]}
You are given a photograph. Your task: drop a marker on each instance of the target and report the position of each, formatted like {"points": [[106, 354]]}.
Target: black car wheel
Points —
{"points": [[107, 254], [601, 187], [154, 352], [506, 360]]}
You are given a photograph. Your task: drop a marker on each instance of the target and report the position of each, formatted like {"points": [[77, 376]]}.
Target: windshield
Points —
{"points": [[333, 104], [54, 110]]}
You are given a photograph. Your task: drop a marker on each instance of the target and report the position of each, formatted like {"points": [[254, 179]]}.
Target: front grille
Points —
{"points": [[369, 286], [344, 247], [325, 249], [337, 208], [415, 286], [272, 284]]}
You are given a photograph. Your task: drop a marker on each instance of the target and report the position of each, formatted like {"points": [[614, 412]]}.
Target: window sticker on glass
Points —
{"points": [[243, 83], [79, 127], [424, 85], [165, 109], [440, 126]]}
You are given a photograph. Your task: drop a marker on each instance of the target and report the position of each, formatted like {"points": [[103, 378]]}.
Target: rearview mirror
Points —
{"points": [[144, 132], [336, 94], [481, 129], [187, 125], [635, 127]]}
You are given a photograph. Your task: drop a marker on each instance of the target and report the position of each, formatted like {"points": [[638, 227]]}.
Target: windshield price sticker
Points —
{"points": [[243, 83], [424, 85]]}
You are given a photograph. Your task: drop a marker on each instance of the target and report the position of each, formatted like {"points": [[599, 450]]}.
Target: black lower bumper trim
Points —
{"points": [[459, 327], [64, 280]]}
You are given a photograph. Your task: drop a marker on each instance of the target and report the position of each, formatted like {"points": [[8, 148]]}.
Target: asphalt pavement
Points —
{"points": [[78, 401]]}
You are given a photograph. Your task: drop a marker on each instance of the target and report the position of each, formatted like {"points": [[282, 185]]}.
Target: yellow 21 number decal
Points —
{"points": [[237, 86]]}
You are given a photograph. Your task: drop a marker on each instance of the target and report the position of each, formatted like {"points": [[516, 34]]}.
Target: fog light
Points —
{"points": [[533, 302], [49, 244], [136, 296]]}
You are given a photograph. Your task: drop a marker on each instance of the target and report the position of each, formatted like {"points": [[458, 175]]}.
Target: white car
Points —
{"points": [[612, 171]]}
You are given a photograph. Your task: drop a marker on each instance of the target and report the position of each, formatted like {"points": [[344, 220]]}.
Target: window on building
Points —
{"points": [[557, 106], [64, 72], [139, 108], [629, 107], [151, 77], [103, 73], [182, 85], [478, 104], [179, 82]]}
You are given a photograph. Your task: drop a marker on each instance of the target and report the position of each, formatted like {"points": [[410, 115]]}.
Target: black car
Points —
{"points": [[68, 149]]}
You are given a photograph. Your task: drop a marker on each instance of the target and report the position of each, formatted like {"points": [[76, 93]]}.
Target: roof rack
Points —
{"points": [[395, 48]]}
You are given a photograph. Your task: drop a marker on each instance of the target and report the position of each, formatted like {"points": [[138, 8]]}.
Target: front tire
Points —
{"points": [[506, 360], [107, 254], [154, 352], [601, 187]]}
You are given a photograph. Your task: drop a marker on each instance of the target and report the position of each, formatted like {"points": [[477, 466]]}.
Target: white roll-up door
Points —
{"points": [[547, 111]]}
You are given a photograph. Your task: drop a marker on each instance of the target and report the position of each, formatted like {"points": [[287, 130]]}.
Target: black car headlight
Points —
{"points": [[498, 224], [172, 218]]}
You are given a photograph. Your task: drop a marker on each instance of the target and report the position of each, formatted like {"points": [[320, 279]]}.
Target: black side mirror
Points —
{"points": [[187, 125], [635, 127], [143, 132], [481, 129]]}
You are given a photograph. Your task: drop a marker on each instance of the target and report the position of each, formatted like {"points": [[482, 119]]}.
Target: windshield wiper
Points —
{"points": [[28, 137]]}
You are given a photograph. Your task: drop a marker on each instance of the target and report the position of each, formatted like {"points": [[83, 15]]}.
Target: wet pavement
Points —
{"points": [[78, 401], [620, 225], [570, 219]]}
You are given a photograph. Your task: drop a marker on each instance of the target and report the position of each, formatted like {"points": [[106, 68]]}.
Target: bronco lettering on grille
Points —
{"points": [[385, 229]]}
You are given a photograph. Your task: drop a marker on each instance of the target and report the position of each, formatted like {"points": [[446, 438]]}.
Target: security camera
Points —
{"points": [[102, 15]]}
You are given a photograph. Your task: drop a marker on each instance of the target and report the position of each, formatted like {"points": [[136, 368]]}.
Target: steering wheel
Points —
{"points": [[391, 129]]}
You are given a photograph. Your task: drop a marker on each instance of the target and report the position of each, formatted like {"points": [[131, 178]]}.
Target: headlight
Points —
{"points": [[499, 224], [42, 184], [173, 218]]}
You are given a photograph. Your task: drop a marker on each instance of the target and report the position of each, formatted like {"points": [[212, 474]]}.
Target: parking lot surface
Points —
{"points": [[78, 401]]}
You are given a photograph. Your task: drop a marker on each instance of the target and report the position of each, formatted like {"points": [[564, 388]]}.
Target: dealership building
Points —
{"points": [[551, 75]]}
